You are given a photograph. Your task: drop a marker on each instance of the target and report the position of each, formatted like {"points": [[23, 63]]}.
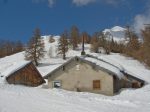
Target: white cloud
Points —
{"points": [[50, 2], [140, 20], [86, 2], [113, 2], [82, 2], [37, 1]]}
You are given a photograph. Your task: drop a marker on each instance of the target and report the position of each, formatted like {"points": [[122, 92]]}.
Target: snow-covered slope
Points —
{"points": [[51, 60], [117, 33], [47, 64], [25, 99]]}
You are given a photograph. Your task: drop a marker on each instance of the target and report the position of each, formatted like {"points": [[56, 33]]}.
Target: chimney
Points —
{"points": [[83, 52]]}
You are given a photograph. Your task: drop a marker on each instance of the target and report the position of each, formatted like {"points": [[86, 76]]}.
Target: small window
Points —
{"points": [[56, 84], [77, 59], [96, 84], [63, 68]]}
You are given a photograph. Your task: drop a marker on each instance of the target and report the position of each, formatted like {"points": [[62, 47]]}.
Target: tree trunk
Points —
{"points": [[64, 56], [36, 63]]}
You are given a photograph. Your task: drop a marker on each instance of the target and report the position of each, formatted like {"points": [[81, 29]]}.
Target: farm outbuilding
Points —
{"points": [[23, 73]]}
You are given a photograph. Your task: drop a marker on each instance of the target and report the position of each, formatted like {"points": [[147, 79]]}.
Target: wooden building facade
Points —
{"points": [[27, 75]]}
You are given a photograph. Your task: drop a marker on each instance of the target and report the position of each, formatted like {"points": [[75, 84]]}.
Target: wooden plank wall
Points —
{"points": [[28, 76]]}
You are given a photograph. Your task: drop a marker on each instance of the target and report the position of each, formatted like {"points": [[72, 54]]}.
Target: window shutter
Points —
{"points": [[96, 84]]}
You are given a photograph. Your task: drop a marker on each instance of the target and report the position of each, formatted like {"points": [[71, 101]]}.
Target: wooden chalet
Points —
{"points": [[24, 74]]}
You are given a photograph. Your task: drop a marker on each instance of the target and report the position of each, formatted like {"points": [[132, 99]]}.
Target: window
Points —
{"points": [[96, 84], [56, 84], [63, 68], [77, 59]]}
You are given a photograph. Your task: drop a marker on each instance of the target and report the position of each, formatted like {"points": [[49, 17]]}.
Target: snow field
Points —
{"points": [[28, 99]]}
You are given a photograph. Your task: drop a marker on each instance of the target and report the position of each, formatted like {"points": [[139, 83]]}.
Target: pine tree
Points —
{"points": [[128, 33], [112, 46], [95, 43], [145, 49], [74, 37], [105, 43], [51, 39], [94, 38], [35, 48], [86, 37], [95, 47], [133, 45], [63, 44]]}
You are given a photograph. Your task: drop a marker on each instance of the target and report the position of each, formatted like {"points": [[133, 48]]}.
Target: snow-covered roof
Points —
{"points": [[106, 66], [101, 64], [126, 65], [13, 68]]}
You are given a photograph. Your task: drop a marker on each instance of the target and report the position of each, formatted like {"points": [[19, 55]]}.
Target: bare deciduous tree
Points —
{"points": [[74, 37]]}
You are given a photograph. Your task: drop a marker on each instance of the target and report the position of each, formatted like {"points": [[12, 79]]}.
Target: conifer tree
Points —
{"points": [[133, 45], [146, 45], [51, 39], [94, 38], [86, 37], [105, 43], [112, 46], [35, 48], [63, 44], [128, 33], [95, 42], [74, 37]]}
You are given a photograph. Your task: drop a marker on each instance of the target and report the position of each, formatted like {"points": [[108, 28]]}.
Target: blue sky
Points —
{"points": [[18, 18]]}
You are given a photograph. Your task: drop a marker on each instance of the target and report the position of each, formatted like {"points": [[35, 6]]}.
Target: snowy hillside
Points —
{"points": [[117, 33], [26, 99], [52, 60]]}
